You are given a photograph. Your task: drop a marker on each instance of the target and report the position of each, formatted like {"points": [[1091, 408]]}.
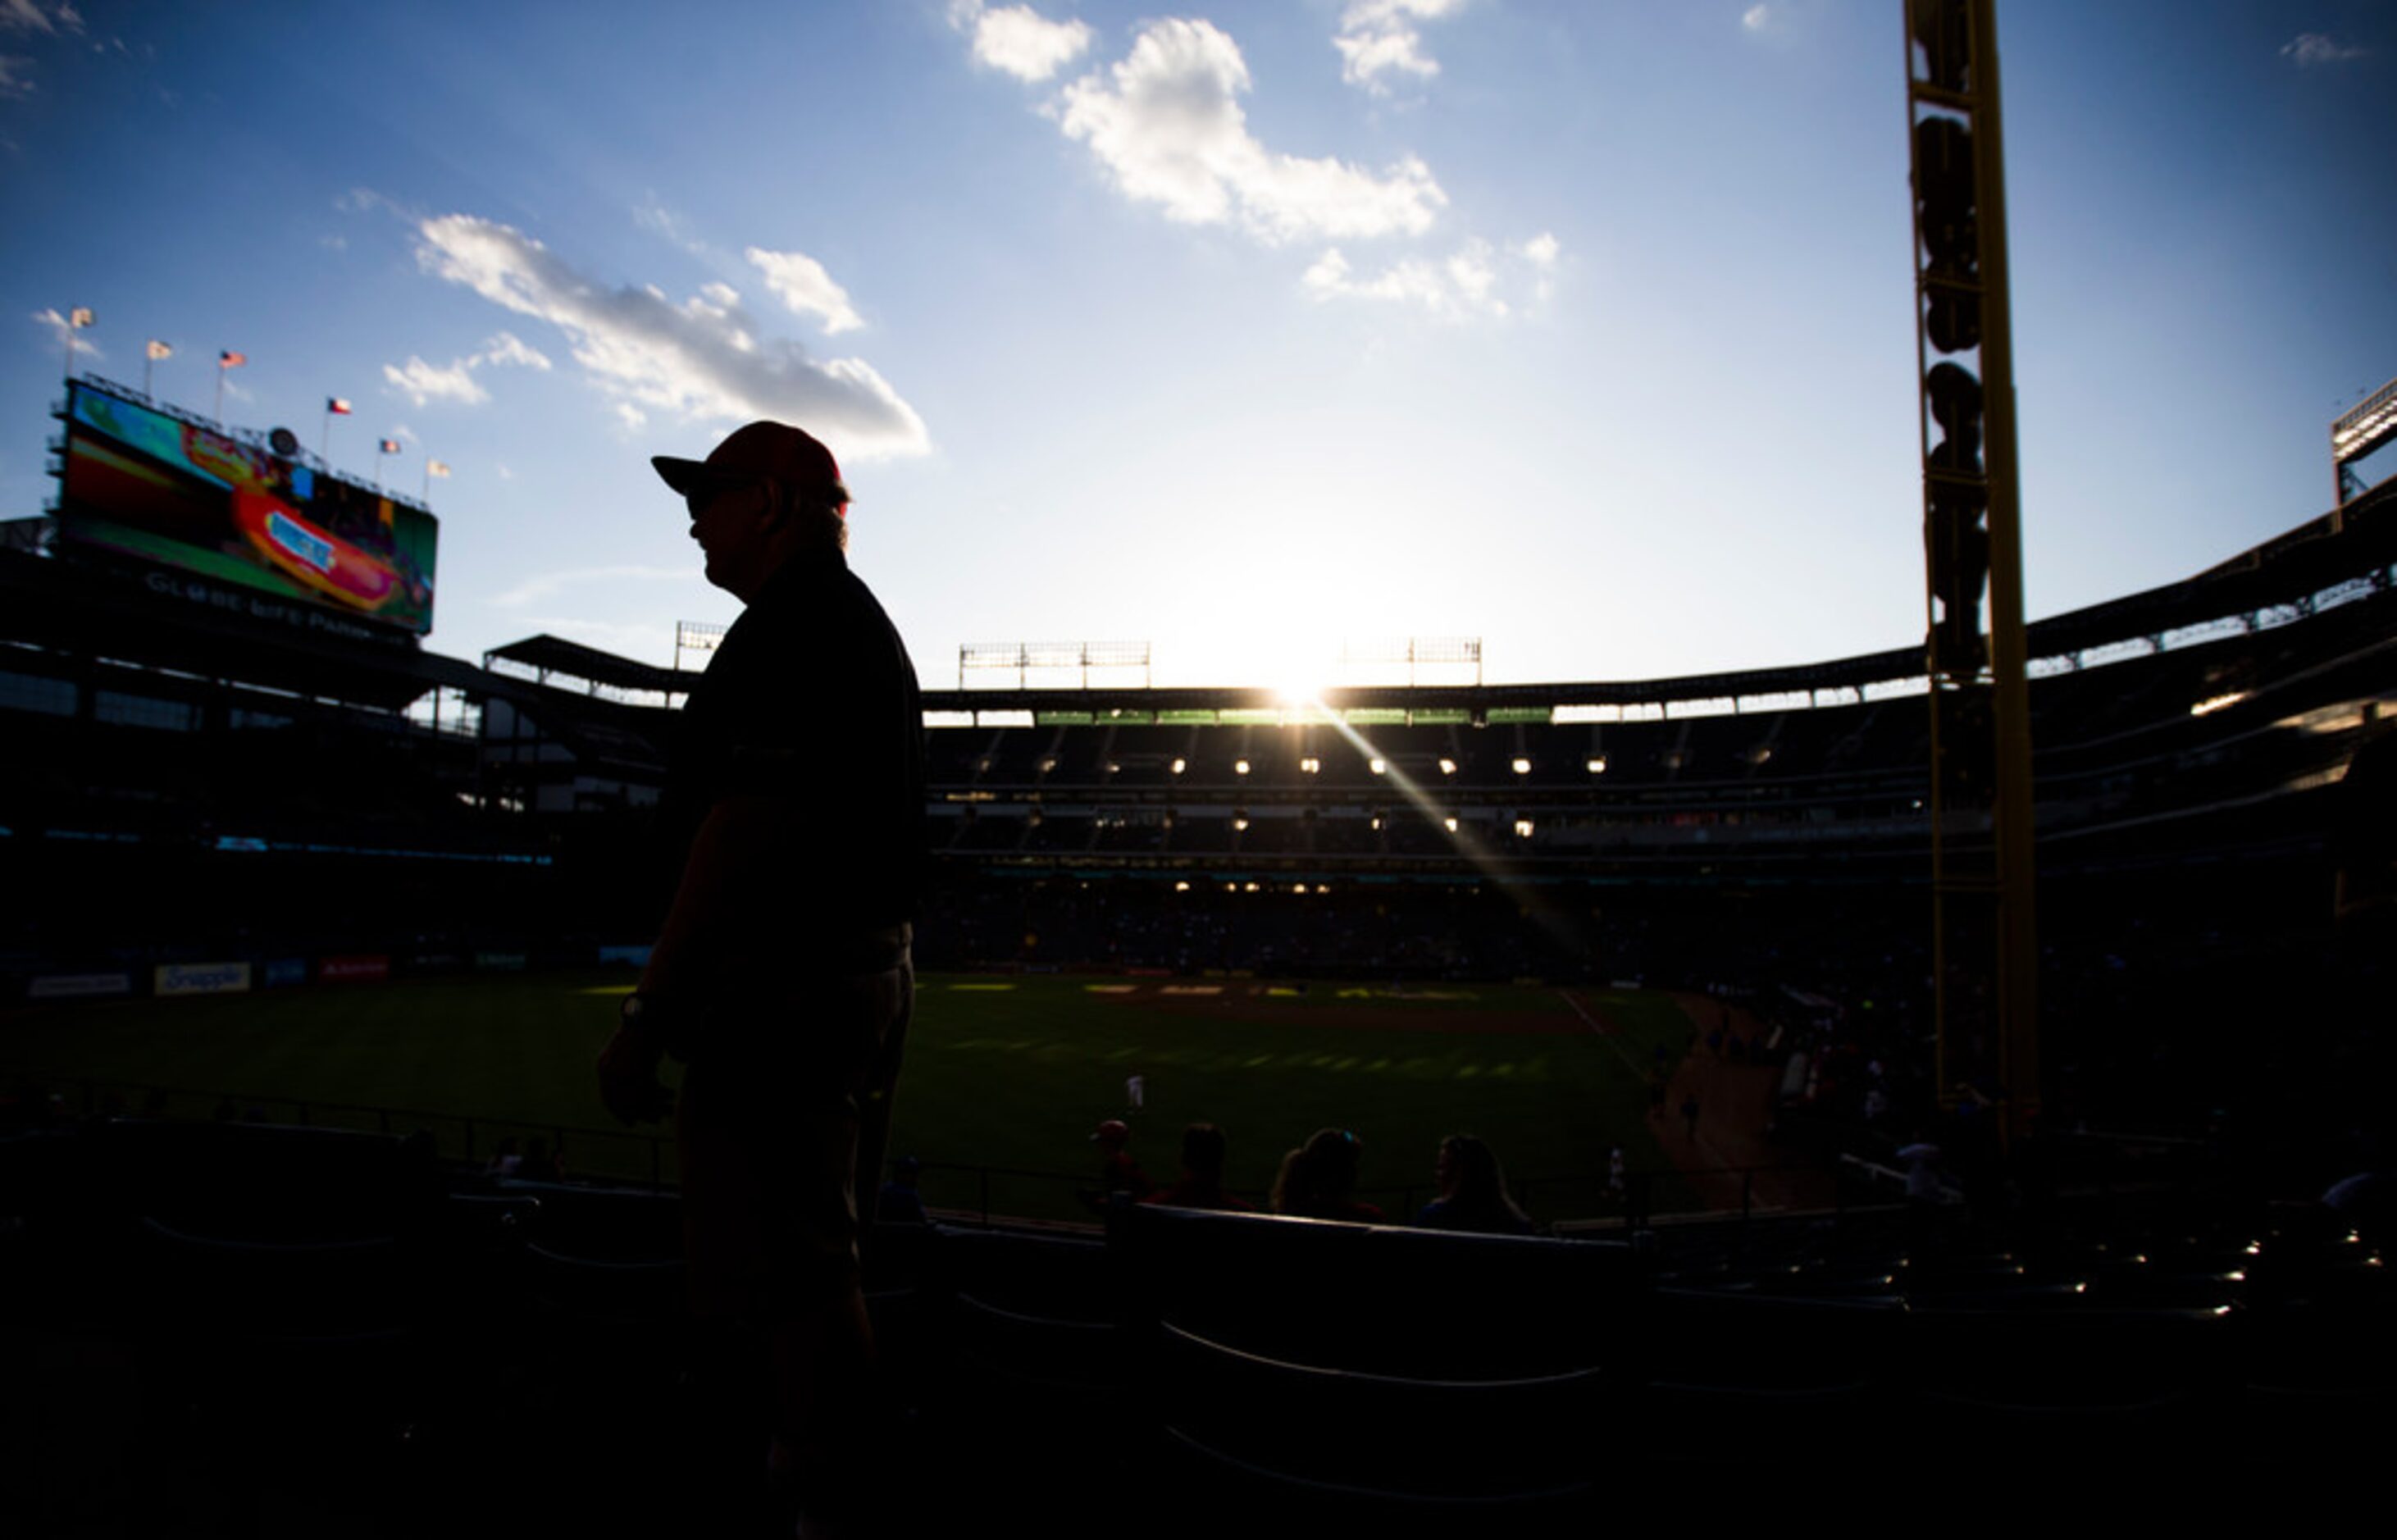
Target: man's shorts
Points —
{"points": [[781, 1127]]}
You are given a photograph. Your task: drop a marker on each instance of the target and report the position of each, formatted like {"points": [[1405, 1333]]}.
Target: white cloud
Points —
{"points": [[508, 348], [1458, 286], [703, 360], [2309, 49], [1755, 18], [1019, 40], [422, 383], [1542, 251], [800, 282], [506, 475], [1470, 282], [653, 215], [15, 78], [1166, 122], [26, 16], [543, 585], [1378, 38], [403, 430], [65, 338]]}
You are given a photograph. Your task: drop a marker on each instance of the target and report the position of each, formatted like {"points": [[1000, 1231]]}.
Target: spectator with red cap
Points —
{"points": [[782, 976]]}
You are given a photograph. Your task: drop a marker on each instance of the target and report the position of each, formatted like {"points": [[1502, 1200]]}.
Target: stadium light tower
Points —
{"points": [[2357, 433], [1985, 941]]}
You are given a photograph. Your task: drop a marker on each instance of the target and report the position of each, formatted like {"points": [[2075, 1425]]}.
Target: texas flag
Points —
{"points": [[159, 350], [339, 405]]}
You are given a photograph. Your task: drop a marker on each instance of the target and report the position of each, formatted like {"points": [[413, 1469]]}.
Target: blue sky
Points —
{"points": [[1242, 329]]}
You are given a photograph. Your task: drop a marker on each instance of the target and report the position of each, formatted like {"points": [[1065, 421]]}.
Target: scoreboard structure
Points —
{"points": [[250, 521]]}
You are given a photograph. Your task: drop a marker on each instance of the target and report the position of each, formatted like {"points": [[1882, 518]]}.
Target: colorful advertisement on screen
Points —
{"points": [[145, 484]]}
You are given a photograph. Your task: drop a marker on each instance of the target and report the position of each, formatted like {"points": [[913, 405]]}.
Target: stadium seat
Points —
{"points": [[1383, 1299], [1377, 1452]]}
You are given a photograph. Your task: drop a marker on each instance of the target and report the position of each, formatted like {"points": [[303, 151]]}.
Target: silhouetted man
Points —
{"points": [[782, 975]]}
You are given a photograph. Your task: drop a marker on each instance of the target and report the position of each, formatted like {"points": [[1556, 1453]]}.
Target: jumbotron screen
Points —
{"points": [[179, 493]]}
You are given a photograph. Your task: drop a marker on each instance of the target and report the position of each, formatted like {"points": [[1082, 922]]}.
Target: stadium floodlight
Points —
{"points": [[1447, 767], [1181, 765], [1239, 821], [2361, 430], [1239, 767], [1250, 888], [1450, 823], [1597, 764], [1522, 766], [1380, 767], [1310, 766], [1522, 829], [1298, 887], [1182, 887], [696, 638]]}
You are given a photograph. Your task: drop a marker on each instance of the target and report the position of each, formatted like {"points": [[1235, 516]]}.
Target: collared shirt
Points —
{"points": [[810, 699]]}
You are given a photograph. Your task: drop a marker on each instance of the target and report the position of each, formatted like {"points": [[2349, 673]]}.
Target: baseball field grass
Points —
{"points": [[1005, 1078]]}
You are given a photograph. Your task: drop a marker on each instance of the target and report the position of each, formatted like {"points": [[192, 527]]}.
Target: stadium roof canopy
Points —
{"points": [[548, 655], [2288, 570]]}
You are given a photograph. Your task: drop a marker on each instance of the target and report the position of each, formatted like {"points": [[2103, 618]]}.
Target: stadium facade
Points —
{"points": [[208, 773]]}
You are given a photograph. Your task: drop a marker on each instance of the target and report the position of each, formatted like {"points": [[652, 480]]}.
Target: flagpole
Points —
{"points": [[78, 317], [426, 496], [148, 364], [220, 372], [324, 439]]}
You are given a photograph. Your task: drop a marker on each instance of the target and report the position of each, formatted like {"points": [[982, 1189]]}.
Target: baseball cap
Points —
{"points": [[759, 451], [1113, 1130]]}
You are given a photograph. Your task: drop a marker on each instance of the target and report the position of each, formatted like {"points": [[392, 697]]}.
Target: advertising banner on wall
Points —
{"points": [[359, 970], [78, 987], [178, 492], [201, 978]]}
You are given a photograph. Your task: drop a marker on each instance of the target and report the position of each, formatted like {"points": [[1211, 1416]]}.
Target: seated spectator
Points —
{"points": [[1118, 1172], [541, 1163], [1201, 1185], [1472, 1191], [902, 1202], [1319, 1180]]}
